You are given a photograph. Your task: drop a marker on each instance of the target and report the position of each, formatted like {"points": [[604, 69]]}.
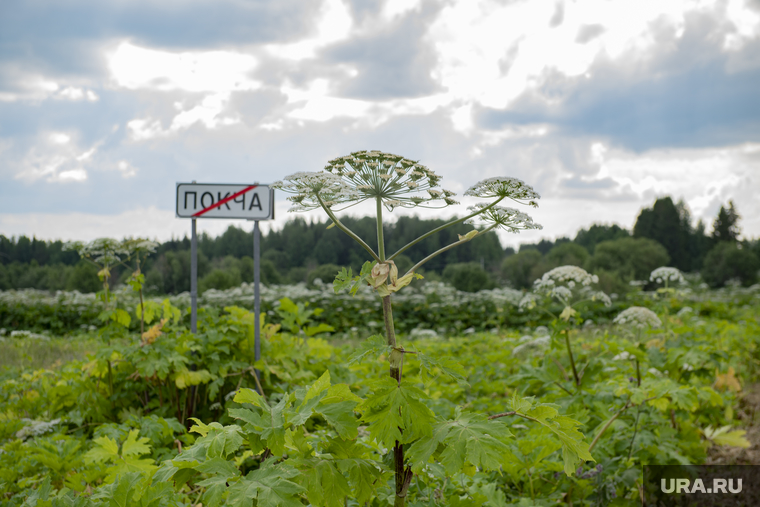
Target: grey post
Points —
{"points": [[256, 295], [193, 279]]}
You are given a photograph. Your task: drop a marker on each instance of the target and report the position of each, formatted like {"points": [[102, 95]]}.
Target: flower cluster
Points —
{"points": [[567, 283], [104, 251], [639, 317], [502, 186], [666, 274], [505, 218], [565, 275], [364, 175], [312, 187]]}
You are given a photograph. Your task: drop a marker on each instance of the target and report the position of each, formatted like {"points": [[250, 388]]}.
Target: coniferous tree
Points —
{"points": [[665, 224], [726, 224]]}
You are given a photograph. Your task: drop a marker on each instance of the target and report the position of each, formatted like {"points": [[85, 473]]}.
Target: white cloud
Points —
{"points": [[77, 174], [215, 73], [60, 138], [397, 8], [30, 86], [136, 68], [126, 169], [333, 25], [56, 157], [746, 22]]}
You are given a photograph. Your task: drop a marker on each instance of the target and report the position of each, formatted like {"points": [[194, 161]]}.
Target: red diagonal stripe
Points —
{"points": [[225, 200]]}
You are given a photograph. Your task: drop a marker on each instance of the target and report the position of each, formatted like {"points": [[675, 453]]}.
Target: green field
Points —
{"points": [[98, 415]]}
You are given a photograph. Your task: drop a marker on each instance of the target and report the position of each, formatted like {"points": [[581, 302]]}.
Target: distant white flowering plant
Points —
{"points": [[666, 275], [569, 286], [638, 317]]}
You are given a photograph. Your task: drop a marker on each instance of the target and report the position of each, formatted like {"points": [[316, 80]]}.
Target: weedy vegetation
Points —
{"points": [[383, 389]]}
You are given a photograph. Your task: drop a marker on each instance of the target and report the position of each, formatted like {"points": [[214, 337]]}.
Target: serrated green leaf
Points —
{"points": [[215, 489], [394, 408], [325, 485], [105, 449], [445, 365], [574, 448], [345, 280], [474, 439], [270, 486], [341, 417], [198, 427], [370, 348], [322, 384], [724, 436], [270, 425], [249, 396], [222, 441], [363, 476], [133, 447], [338, 393], [685, 397], [218, 466]]}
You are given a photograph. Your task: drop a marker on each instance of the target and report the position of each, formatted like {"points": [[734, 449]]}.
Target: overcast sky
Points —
{"points": [[602, 106]]}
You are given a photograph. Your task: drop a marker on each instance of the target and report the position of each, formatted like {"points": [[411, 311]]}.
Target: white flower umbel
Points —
{"points": [[504, 186], [311, 187], [564, 275], [638, 317], [365, 175], [666, 274], [509, 219]]}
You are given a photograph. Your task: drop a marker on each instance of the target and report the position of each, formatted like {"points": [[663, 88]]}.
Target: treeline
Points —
{"points": [[300, 252], [303, 251], [663, 235]]}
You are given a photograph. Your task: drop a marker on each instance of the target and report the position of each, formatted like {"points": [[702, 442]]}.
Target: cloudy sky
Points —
{"points": [[602, 106]]}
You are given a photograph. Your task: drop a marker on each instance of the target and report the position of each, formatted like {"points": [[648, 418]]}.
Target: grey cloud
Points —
{"points": [[686, 97], [577, 183], [588, 33], [170, 24], [394, 62], [559, 15], [64, 40]]}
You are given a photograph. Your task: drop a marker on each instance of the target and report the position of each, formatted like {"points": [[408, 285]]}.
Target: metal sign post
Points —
{"points": [[227, 201], [193, 279], [256, 295]]}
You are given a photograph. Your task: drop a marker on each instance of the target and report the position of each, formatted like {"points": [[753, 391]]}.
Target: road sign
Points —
{"points": [[216, 200]]}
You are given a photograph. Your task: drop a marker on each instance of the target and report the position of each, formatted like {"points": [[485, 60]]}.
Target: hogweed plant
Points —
{"points": [[667, 277], [397, 417], [638, 318], [107, 253], [570, 286]]}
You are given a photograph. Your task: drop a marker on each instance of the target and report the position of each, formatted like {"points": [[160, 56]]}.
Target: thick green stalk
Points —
{"points": [[572, 360], [390, 332], [380, 239], [444, 226], [403, 475], [448, 247]]}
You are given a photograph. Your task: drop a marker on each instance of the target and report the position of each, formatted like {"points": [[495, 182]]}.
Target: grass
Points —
{"points": [[35, 352]]}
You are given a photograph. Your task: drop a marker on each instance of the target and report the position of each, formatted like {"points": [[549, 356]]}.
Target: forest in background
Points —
{"points": [[304, 251]]}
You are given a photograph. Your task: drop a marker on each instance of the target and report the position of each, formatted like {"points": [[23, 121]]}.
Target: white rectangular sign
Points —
{"points": [[222, 200]]}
